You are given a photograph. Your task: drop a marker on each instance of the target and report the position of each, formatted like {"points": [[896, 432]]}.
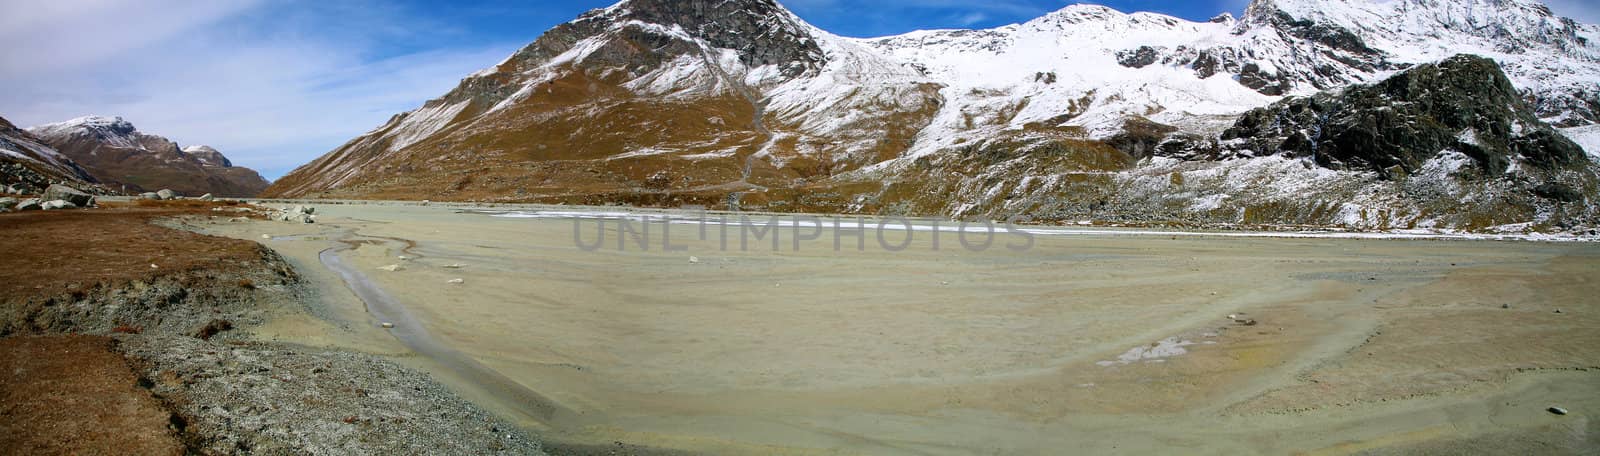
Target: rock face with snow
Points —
{"points": [[1463, 104], [27, 163], [122, 157], [1086, 112]]}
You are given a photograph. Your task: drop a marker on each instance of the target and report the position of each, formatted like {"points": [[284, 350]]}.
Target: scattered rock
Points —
{"points": [[212, 328], [457, 281], [694, 260], [404, 258], [1558, 310], [7, 203], [207, 197], [152, 196], [68, 194], [1505, 306], [426, 202], [167, 194], [1557, 410], [301, 214], [453, 266], [392, 268], [57, 204], [1246, 321], [30, 204]]}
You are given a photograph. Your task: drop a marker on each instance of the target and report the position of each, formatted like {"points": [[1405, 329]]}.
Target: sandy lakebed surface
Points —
{"points": [[1088, 342]]}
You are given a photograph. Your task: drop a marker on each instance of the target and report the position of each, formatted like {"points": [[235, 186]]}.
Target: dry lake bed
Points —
{"points": [[1087, 341]]}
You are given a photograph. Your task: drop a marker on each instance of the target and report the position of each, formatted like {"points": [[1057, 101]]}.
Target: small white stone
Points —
{"points": [[453, 266], [153, 266], [266, 236], [392, 268], [388, 325], [694, 260], [458, 281]]}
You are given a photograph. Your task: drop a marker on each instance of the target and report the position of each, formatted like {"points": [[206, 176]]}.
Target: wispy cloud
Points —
{"points": [[271, 85], [973, 18]]}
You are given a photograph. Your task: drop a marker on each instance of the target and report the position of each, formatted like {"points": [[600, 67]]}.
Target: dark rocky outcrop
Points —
{"points": [[1464, 104]]}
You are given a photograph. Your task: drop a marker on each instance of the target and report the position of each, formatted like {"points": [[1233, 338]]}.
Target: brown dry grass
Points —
{"points": [[54, 252], [76, 395]]}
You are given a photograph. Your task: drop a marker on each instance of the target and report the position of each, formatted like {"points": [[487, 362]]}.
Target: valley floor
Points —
{"points": [[1087, 342]]}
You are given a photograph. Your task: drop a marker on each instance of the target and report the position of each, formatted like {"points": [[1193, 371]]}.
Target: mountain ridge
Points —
{"points": [[614, 108], [120, 156]]}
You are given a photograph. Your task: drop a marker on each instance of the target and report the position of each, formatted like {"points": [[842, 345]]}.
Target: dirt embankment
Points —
{"points": [[113, 270], [121, 336]]}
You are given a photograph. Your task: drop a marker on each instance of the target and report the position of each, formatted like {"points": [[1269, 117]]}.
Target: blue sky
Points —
{"points": [[276, 83]]}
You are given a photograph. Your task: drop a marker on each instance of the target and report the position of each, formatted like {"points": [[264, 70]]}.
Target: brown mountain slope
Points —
{"points": [[611, 108], [121, 157]]}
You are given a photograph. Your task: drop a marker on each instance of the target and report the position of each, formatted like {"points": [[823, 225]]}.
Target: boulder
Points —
{"points": [[207, 197], [7, 203], [167, 194], [30, 204], [68, 194], [57, 204], [150, 196]]}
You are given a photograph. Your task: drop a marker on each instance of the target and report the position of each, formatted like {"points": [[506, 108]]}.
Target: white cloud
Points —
{"points": [[271, 85]]}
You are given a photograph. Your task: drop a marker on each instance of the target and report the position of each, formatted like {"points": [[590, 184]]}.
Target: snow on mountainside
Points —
{"points": [[118, 155], [24, 159], [740, 103]]}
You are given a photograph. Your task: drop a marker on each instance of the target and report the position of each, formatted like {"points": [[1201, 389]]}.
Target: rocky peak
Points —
{"points": [[208, 156], [101, 128], [118, 155], [762, 31]]}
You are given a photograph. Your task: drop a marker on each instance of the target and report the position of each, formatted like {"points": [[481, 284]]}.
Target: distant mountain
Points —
{"points": [[1086, 112], [25, 159], [119, 156]]}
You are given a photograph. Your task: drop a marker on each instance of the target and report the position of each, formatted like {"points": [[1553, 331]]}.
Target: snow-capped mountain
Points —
{"points": [[121, 157], [742, 103], [27, 160]]}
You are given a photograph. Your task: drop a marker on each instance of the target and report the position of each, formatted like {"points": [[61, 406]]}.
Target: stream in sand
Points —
{"points": [[1100, 342], [411, 332]]}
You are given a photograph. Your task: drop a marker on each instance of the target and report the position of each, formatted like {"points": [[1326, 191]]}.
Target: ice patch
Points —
{"points": [[1153, 353]]}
